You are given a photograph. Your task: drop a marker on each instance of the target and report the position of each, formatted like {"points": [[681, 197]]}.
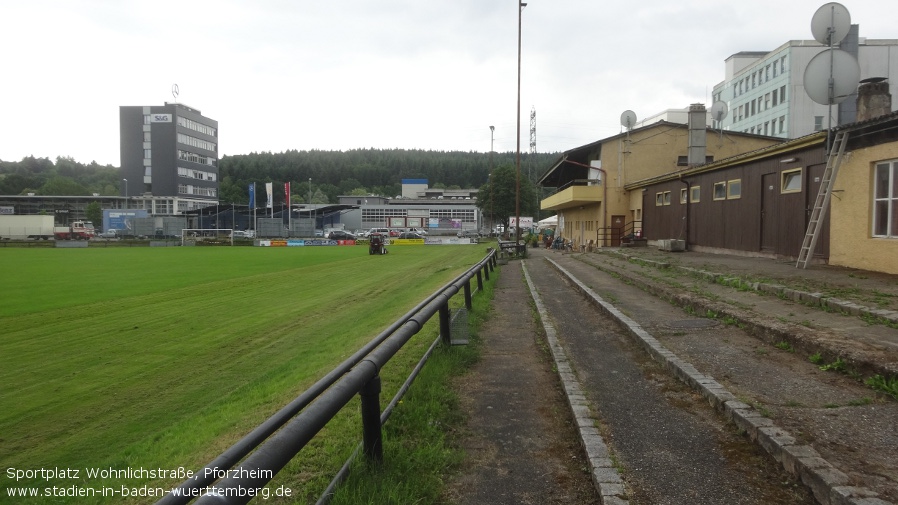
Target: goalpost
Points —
{"points": [[207, 236]]}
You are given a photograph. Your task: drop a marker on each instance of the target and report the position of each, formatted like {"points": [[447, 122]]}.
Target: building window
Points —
{"points": [[683, 196], [783, 93], [667, 198], [720, 190], [734, 189], [818, 123], [146, 136], [147, 154], [659, 199], [885, 200], [775, 95], [782, 124], [696, 194], [791, 182]]}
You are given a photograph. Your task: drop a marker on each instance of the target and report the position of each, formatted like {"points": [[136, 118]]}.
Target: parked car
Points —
{"points": [[395, 233], [340, 235], [468, 234], [411, 235], [110, 233], [419, 231], [243, 234]]}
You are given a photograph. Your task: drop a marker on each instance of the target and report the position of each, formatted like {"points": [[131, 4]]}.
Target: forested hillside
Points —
{"points": [[332, 173], [364, 171]]}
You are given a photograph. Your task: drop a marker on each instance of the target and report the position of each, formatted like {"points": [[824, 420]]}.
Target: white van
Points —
{"points": [[383, 231]]}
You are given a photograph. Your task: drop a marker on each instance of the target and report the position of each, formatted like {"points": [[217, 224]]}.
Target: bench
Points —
{"points": [[510, 247]]}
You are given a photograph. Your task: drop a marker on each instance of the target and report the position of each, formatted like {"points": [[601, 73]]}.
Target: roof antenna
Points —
{"points": [[628, 120], [719, 111]]}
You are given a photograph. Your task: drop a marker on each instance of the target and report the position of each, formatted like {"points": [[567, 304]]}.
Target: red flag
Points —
{"points": [[287, 193]]}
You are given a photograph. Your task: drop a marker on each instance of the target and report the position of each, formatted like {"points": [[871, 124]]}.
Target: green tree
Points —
{"points": [[499, 196], [63, 186], [94, 213]]}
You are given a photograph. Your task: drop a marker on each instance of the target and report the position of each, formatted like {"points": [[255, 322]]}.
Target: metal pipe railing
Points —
{"points": [[302, 418]]}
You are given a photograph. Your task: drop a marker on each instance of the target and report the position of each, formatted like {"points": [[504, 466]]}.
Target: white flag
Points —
{"points": [[270, 192]]}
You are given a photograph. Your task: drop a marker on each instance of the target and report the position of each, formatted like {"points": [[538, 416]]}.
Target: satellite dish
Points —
{"points": [[175, 91], [628, 119], [834, 64], [719, 111], [830, 23]]}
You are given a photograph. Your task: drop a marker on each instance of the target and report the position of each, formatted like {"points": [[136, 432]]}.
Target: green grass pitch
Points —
{"points": [[162, 357]]}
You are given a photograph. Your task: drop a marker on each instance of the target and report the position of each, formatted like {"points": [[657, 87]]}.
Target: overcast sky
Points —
{"points": [[346, 74]]}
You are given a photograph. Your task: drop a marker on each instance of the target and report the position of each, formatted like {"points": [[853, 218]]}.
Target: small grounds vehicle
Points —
{"points": [[376, 244]]}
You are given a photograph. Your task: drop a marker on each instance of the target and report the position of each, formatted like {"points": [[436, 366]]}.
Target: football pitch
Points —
{"points": [[115, 362]]}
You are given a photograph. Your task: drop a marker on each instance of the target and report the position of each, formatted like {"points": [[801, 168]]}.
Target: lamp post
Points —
{"points": [[126, 192], [492, 216], [517, 193], [310, 207]]}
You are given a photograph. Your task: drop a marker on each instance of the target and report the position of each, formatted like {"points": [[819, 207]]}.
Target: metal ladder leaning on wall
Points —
{"points": [[834, 159]]}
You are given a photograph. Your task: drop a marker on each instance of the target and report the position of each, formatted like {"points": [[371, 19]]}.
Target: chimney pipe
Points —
{"points": [[698, 132], [873, 98]]}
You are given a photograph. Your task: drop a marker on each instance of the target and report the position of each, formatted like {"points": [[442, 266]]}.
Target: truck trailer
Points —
{"points": [[42, 227]]}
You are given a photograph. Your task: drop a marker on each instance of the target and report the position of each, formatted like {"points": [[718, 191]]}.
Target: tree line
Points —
{"points": [[332, 173]]}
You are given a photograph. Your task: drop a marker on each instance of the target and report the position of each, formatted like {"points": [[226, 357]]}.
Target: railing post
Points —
{"points": [[445, 330], [480, 279], [371, 429], [468, 304]]}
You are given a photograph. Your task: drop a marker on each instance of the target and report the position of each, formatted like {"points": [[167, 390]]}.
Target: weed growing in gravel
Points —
{"points": [[886, 385], [871, 320], [730, 321], [785, 346], [831, 405], [838, 365], [815, 358], [861, 402], [806, 323]]}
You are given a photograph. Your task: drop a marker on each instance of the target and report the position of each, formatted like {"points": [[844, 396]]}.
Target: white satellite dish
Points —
{"points": [[719, 111], [628, 119], [830, 23], [838, 65]]}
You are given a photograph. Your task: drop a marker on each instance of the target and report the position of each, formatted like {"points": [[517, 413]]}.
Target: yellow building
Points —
{"points": [[864, 205], [592, 205]]}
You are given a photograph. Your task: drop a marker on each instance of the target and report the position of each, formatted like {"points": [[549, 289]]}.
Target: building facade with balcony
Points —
{"points": [[589, 181]]}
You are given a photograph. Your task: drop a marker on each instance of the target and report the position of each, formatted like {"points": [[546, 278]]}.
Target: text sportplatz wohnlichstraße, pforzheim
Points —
{"points": [[75, 482]]}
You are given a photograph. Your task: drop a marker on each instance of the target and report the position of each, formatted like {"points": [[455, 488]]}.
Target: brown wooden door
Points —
{"points": [[617, 229], [769, 192]]}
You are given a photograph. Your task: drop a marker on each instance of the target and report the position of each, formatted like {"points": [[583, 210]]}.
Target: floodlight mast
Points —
{"points": [[517, 193]]}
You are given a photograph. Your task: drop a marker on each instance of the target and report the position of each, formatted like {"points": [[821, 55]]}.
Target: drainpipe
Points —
{"points": [[688, 203], [604, 190]]}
